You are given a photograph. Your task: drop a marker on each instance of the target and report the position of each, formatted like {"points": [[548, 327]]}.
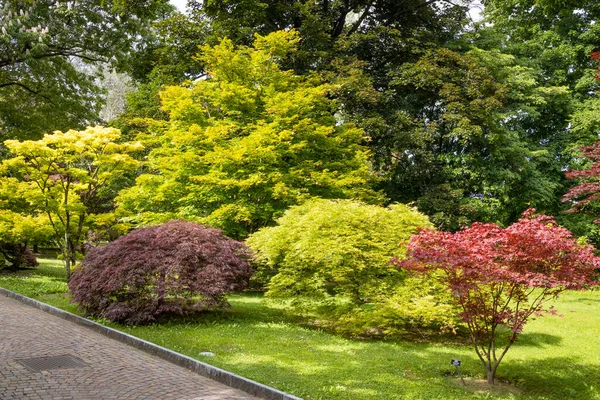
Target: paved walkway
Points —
{"points": [[112, 370]]}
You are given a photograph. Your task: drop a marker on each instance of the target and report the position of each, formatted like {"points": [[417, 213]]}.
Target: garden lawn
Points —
{"points": [[555, 358]]}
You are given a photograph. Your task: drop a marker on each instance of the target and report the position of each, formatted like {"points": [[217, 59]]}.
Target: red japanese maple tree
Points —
{"points": [[588, 189], [596, 56], [178, 268], [502, 276]]}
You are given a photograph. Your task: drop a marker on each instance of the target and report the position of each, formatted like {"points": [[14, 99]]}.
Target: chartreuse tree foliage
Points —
{"points": [[41, 89], [502, 277], [331, 257], [20, 225], [173, 269], [247, 143], [63, 176]]}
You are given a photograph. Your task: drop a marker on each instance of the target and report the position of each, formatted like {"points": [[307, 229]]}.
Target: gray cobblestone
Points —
{"points": [[115, 371]]}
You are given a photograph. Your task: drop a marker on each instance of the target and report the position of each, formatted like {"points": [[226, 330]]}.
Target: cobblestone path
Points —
{"points": [[111, 370]]}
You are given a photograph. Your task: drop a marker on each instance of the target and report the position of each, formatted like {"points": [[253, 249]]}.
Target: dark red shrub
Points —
{"points": [[173, 269]]}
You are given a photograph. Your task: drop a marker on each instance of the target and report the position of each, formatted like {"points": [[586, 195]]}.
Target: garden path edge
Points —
{"points": [[220, 375]]}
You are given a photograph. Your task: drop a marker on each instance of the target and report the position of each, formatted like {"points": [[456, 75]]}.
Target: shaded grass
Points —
{"points": [[555, 358]]}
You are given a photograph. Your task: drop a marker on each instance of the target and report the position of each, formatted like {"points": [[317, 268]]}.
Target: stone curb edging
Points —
{"points": [[228, 378]]}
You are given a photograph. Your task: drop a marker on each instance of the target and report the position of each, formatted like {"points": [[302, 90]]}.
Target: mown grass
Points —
{"points": [[556, 358]]}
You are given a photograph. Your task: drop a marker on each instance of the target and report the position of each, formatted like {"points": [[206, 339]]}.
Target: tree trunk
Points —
{"points": [[491, 373], [67, 255], [68, 267]]}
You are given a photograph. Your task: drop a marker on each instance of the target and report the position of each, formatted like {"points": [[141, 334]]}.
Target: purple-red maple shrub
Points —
{"points": [[596, 56], [173, 269], [500, 277], [588, 189]]}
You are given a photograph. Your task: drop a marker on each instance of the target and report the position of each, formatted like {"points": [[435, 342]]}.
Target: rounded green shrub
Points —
{"points": [[332, 259]]}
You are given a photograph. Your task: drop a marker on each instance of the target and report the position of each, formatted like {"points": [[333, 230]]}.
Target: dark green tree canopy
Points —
{"points": [[41, 88]]}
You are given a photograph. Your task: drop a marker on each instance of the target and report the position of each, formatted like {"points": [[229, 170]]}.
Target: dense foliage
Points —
{"points": [[67, 177], [471, 121], [331, 257], [172, 269], [585, 195], [247, 143], [484, 114], [45, 48], [501, 278]]}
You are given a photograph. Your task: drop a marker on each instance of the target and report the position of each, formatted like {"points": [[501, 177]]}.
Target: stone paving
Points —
{"points": [[114, 370]]}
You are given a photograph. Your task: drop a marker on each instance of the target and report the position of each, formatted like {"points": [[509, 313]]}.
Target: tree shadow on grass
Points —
{"points": [[43, 272], [555, 378], [581, 300], [314, 364], [536, 339], [365, 372]]}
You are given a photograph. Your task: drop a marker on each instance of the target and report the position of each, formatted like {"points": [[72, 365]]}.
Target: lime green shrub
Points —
{"points": [[331, 258]]}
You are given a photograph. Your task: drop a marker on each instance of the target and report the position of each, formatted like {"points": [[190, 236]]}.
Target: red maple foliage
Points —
{"points": [[596, 56], [588, 189], [502, 276], [173, 269]]}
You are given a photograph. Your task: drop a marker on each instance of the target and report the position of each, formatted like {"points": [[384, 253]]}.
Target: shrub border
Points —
{"points": [[228, 378]]}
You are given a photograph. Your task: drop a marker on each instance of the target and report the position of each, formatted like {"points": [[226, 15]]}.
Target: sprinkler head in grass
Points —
{"points": [[456, 364]]}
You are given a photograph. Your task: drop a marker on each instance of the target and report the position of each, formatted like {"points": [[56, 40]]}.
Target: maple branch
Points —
{"points": [[25, 87], [60, 52]]}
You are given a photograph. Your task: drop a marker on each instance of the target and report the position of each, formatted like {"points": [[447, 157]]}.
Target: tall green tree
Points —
{"points": [[458, 151], [554, 39], [40, 87], [245, 144], [63, 176]]}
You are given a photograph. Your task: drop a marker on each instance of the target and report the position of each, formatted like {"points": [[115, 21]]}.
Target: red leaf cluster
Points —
{"points": [[174, 269], [493, 270], [502, 276], [596, 56], [588, 190]]}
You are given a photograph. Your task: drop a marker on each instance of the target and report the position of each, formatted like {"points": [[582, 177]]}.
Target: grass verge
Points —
{"points": [[555, 358]]}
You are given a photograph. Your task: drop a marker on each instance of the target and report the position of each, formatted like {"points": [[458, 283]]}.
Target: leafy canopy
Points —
{"points": [[44, 46], [247, 143], [501, 277], [63, 176], [332, 257], [463, 150]]}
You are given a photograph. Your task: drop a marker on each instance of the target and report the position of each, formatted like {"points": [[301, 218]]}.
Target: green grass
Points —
{"points": [[556, 358]]}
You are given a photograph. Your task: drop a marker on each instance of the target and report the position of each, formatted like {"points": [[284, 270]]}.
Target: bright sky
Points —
{"points": [[476, 7], [180, 4]]}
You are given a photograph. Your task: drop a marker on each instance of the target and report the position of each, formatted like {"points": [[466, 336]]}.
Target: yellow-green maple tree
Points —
{"points": [[247, 143]]}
